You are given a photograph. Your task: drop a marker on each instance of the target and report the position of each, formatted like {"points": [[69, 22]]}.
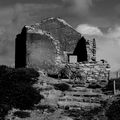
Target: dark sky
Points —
{"points": [[104, 13], [102, 17]]}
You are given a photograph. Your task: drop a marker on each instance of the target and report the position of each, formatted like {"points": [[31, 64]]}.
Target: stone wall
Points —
{"points": [[91, 50], [44, 43], [96, 73], [60, 30], [42, 50]]}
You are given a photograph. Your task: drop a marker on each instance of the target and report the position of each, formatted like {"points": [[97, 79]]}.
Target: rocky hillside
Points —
{"points": [[72, 103]]}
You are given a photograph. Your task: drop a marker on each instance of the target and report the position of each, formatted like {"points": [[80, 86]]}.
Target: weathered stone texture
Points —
{"points": [[46, 42], [91, 73], [41, 36], [40, 50], [91, 50], [44, 45], [61, 31]]}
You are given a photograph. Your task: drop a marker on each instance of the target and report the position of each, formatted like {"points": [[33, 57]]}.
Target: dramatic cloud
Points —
{"points": [[80, 6], [108, 44], [114, 34], [14, 14], [109, 50], [12, 2], [89, 30]]}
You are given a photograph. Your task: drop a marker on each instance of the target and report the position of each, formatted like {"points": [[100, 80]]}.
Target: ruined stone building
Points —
{"points": [[51, 42]]}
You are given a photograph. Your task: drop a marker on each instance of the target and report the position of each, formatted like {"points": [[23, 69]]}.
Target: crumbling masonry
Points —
{"points": [[47, 44]]}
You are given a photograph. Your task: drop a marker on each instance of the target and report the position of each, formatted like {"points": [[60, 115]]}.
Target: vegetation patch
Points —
{"points": [[16, 89], [21, 114], [62, 86]]}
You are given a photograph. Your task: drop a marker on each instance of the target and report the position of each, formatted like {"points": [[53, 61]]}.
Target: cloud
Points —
{"points": [[108, 44], [1, 30], [88, 29], [109, 50], [12, 2], [114, 33], [80, 6]]}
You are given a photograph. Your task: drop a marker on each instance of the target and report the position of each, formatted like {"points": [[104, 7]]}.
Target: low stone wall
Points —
{"points": [[89, 73]]}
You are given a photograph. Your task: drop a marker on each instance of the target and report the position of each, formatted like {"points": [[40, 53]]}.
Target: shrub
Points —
{"points": [[22, 96], [113, 112], [62, 86], [23, 75], [16, 88], [21, 114], [4, 108], [48, 108], [72, 73], [4, 70], [64, 72]]}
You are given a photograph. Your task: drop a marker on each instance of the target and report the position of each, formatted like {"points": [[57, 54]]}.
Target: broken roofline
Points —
{"points": [[84, 51]]}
